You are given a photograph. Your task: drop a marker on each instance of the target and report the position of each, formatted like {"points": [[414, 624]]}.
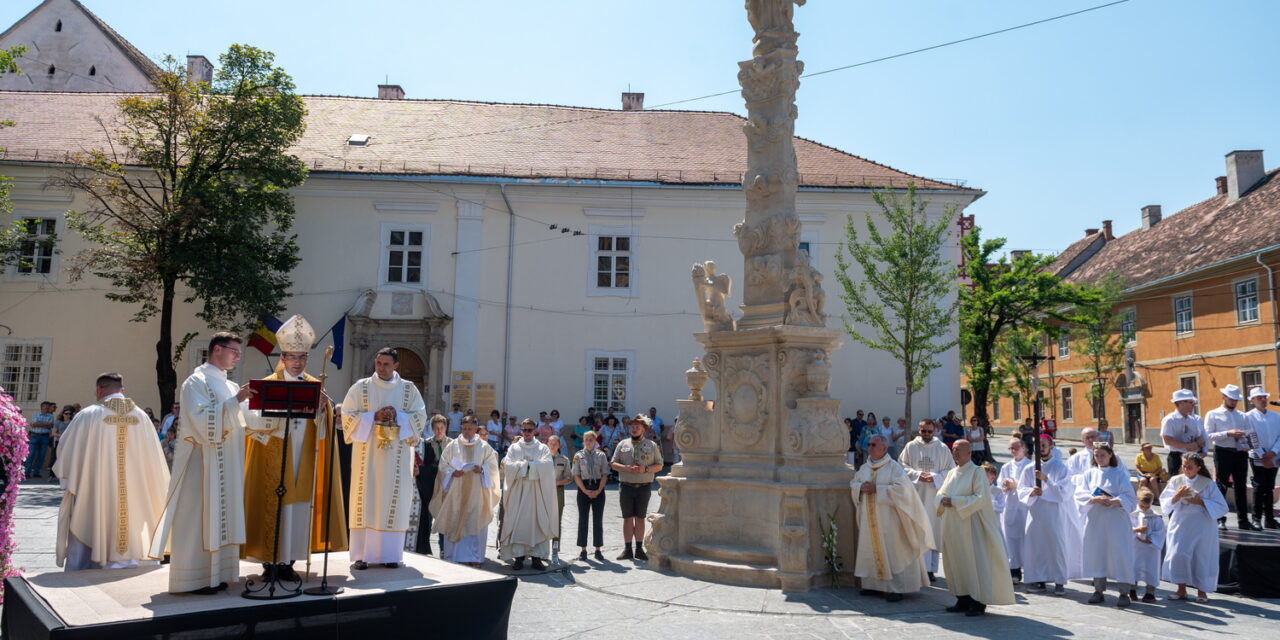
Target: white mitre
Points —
{"points": [[295, 335]]}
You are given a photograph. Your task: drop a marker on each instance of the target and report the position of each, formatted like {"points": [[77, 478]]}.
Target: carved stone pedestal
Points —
{"points": [[761, 468]]}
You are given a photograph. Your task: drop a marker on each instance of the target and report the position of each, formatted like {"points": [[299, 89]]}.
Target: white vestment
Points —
{"points": [[463, 506], [529, 518], [933, 457], [1013, 518], [382, 487], [973, 556], [1147, 546], [113, 478], [1192, 554], [894, 529], [1049, 529], [203, 524], [1108, 553]]}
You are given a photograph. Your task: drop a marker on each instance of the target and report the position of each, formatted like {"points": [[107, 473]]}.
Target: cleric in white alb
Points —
{"points": [[1105, 497], [893, 524], [927, 460], [529, 497]]}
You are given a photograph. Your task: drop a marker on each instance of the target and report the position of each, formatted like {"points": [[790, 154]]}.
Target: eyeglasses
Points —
{"points": [[295, 357], [526, 431]]}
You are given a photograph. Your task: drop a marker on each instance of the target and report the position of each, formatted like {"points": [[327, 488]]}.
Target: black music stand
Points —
{"points": [[291, 400]]}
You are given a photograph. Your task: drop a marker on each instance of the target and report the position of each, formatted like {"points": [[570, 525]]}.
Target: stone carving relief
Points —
{"points": [[814, 427], [711, 289], [663, 534], [768, 237], [806, 300], [747, 398]]}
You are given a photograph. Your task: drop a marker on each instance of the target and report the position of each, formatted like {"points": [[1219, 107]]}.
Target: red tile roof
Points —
{"points": [[450, 137], [1203, 234]]}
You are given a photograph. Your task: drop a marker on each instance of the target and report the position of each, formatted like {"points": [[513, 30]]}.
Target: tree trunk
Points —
{"points": [[906, 409], [982, 390], [166, 377]]}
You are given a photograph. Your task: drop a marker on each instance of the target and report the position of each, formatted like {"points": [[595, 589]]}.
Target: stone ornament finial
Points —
{"points": [[711, 289], [696, 378]]}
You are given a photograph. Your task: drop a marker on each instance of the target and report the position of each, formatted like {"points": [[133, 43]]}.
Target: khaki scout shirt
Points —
{"points": [[647, 453]]}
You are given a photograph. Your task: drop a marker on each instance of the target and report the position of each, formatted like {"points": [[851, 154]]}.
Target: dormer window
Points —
{"points": [[52, 69], [58, 27], [358, 140], [93, 71]]}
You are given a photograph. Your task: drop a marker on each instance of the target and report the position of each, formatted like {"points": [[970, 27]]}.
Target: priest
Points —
{"points": [[463, 508], [383, 417], [301, 522], [529, 500], [927, 460], [203, 523], [972, 551], [894, 526], [1050, 529], [113, 478]]}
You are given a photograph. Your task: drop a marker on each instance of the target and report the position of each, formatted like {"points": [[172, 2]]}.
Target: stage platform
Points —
{"points": [[426, 598], [1249, 562]]}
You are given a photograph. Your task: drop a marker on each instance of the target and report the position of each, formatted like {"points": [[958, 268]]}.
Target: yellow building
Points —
{"points": [[1197, 309]]}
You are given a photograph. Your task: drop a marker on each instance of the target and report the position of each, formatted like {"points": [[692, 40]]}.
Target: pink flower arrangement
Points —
{"points": [[13, 451]]}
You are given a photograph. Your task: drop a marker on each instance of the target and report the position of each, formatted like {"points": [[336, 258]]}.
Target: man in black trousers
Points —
{"points": [[427, 470]]}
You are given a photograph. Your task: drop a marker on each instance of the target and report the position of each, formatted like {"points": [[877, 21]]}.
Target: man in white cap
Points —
{"points": [[1182, 431], [301, 520], [1229, 432], [1264, 450]]}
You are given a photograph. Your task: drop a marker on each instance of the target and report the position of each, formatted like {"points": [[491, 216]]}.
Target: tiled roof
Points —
{"points": [[434, 137], [1069, 259], [1203, 234]]}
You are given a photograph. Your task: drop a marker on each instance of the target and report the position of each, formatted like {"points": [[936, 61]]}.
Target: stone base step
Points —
{"points": [[742, 574], [733, 554]]}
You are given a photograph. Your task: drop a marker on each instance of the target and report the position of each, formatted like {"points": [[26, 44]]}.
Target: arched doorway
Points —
{"points": [[412, 368]]}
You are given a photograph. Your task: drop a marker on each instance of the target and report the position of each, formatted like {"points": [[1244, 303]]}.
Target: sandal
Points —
{"points": [[1177, 596], [1202, 599]]}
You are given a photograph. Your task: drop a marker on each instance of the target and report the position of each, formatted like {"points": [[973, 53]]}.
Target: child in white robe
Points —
{"points": [[1194, 505], [1148, 542]]}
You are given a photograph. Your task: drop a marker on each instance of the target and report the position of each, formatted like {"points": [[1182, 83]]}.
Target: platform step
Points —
{"points": [[747, 575], [733, 554]]}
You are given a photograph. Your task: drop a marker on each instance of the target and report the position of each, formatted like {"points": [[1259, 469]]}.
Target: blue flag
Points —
{"points": [[339, 331]]}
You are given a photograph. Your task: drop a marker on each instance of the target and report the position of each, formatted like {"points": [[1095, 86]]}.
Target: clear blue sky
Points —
{"points": [[1063, 124]]}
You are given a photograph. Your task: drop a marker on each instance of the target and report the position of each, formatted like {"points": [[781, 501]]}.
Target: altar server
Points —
{"points": [[1013, 518], [302, 515], [972, 551], [113, 478], [1105, 498], [383, 417], [1194, 505], [1148, 543], [529, 500], [469, 492], [893, 524], [203, 524], [927, 461], [1049, 529]]}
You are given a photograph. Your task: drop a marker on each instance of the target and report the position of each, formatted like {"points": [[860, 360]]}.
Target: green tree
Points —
{"points": [[905, 284], [1012, 376], [1003, 295], [193, 193], [1097, 333], [13, 234]]}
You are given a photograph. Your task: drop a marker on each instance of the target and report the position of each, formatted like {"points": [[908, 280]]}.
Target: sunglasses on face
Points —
{"points": [[526, 431]]}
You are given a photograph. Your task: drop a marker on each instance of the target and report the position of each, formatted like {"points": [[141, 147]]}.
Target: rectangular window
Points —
{"points": [[1247, 301], [1064, 346], [1017, 408], [23, 370], [35, 251], [610, 380], [995, 409], [1067, 409], [404, 249], [1250, 378], [1182, 315], [613, 262], [1129, 325]]}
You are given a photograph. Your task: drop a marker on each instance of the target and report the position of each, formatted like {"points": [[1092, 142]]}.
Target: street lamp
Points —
{"points": [[1033, 363], [1102, 397]]}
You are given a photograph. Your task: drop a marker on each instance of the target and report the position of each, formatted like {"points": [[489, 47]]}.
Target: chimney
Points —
{"points": [[1244, 171], [1106, 231], [633, 101], [1089, 232], [199, 69], [1150, 215], [1221, 183], [390, 92], [1018, 254]]}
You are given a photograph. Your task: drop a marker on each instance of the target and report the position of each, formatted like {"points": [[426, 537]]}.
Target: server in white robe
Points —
{"points": [[113, 478], [1148, 544], [383, 417], [1105, 497], [927, 460], [1194, 505], [972, 552], [1013, 517], [893, 525], [529, 501], [203, 523], [1049, 529], [469, 492]]}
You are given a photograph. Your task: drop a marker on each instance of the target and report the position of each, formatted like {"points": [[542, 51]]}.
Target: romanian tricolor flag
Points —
{"points": [[264, 337]]}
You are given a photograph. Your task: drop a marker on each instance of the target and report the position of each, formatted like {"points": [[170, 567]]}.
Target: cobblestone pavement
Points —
{"points": [[620, 599]]}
